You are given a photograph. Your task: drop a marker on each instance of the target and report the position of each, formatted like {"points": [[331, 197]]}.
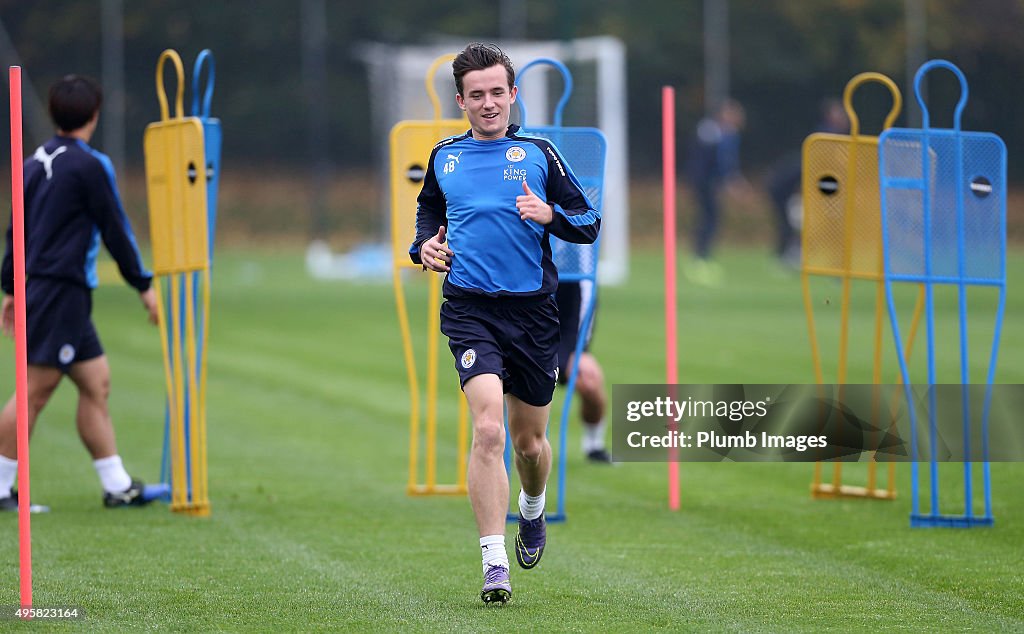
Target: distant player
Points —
{"points": [[490, 200], [713, 165], [572, 298], [71, 204]]}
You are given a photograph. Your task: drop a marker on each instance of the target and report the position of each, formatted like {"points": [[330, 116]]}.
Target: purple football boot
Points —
{"points": [[530, 541], [497, 588]]}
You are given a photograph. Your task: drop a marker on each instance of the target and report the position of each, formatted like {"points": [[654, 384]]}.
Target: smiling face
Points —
{"points": [[487, 99]]}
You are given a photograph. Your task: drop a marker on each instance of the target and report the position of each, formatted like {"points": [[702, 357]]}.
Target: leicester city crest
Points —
{"points": [[515, 154]]}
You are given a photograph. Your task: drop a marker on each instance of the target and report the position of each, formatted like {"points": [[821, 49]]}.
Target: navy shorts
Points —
{"points": [[59, 327], [571, 306], [516, 341]]}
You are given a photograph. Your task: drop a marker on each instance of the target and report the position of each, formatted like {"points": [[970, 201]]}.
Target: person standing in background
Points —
{"points": [[71, 204], [784, 185], [713, 164]]}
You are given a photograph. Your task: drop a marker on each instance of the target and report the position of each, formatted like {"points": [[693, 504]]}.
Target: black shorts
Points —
{"points": [[516, 341], [59, 327], [571, 306]]}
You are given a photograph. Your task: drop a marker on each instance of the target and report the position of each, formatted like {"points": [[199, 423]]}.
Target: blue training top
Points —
{"points": [[71, 203], [471, 188]]}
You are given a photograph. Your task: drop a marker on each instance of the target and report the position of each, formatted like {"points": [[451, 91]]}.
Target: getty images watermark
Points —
{"points": [[806, 423]]}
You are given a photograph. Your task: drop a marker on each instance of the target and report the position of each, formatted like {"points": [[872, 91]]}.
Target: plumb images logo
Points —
{"points": [[806, 423]]}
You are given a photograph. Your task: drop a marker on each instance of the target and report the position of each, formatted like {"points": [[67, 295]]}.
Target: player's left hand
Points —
{"points": [[532, 207], [7, 315], [148, 298]]}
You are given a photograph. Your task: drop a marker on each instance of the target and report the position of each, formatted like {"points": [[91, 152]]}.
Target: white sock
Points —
{"points": [[8, 472], [531, 507], [492, 548], [113, 477], [593, 436]]}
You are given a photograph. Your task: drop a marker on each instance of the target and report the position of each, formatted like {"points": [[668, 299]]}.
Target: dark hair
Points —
{"points": [[477, 56], [74, 100]]}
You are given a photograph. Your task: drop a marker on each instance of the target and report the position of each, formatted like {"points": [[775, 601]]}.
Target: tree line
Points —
{"points": [[785, 57]]}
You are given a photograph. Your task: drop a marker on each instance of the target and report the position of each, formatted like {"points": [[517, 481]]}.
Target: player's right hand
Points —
{"points": [[434, 255]]}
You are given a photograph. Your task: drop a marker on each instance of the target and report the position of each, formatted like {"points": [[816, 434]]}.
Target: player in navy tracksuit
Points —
{"points": [[490, 199], [713, 163], [71, 204]]}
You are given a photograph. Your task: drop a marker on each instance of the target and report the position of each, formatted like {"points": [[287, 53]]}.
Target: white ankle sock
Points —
{"points": [[593, 436], [113, 477], [492, 548], [8, 472], [531, 507]]}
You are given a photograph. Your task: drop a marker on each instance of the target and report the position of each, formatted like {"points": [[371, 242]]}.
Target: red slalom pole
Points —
{"points": [[668, 162], [20, 345]]}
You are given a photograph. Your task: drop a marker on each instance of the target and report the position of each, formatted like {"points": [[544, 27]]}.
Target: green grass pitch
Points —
{"points": [[312, 530]]}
